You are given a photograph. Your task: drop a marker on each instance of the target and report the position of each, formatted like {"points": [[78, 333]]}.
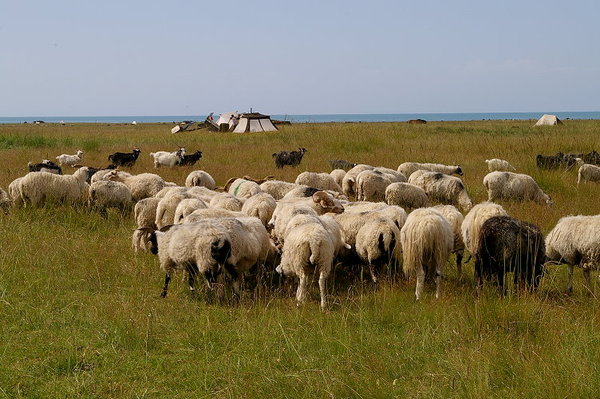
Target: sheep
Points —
{"points": [[261, 206], [142, 186], [408, 168], [308, 249], [226, 201], [471, 225], [45, 166], [499, 165], [145, 217], [242, 188], [305, 192], [5, 201], [442, 187], [291, 158], [212, 246], [377, 242], [322, 181], [189, 159], [588, 172], [210, 213], [514, 186], [109, 194], [574, 241], [200, 178], [103, 174], [39, 187], [349, 181], [66, 159], [93, 171], [509, 245], [126, 159], [164, 158], [329, 223], [338, 176], [426, 240], [393, 175], [455, 218], [14, 192], [406, 195], [341, 164], [277, 188], [371, 185], [186, 207]]}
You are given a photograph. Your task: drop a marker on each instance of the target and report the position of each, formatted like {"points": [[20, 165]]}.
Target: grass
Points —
{"points": [[80, 314]]}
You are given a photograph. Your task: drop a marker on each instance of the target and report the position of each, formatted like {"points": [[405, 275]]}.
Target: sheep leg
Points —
{"points": [[420, 283], [570, 279], [322, 282], [459, 258], [438, 283], [302, 287], [478, 276], [587, 279], [192, 272], [166, 286], [372, 272]]}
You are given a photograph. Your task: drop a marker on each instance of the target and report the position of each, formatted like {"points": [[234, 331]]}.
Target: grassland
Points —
{"points": [[81, 317]]}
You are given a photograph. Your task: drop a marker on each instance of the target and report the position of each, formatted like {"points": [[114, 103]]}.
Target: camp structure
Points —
{"points": [[548, 120], [254, 122]]}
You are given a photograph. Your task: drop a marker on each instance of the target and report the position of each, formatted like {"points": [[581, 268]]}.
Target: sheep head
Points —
{"points": [[327, 202]]}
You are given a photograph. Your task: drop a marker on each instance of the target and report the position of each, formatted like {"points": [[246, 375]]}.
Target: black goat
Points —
{"points": [[558, 161], [592, 157], [124, 158], [291, 158], [506, 245], [341, 164], [190, 159], [45, 166]]}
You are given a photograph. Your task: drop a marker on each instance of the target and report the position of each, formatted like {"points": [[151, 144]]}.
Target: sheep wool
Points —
{"points": [[321, 181], [406, 195], [38, 187], [500, 165], [514, 186], [200, 178], [106, 194], [443, 188], [261, 206], [471, 225]]}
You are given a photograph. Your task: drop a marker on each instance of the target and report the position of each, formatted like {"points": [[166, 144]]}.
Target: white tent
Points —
{"points": [[254, 122], [548, 120], [228, 117]]}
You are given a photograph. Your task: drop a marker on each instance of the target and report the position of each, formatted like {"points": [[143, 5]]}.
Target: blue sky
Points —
{"points": [[88, 58]]}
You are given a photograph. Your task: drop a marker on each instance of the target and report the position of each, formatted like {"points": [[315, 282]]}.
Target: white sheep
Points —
{"points": [[145, 217], [499, 165], [406, 195], [442, 187], [39, 187], [427, 241], [588, 172], [471, 225], [170, 159], [277, 188], [514, 186], [186, 207], [106, 194], [242, 188], [575, 240], [261, 205], [455, 218], [200, 178], [321, 181], [66, 159], [392, 174], [329, 223], [5, 201], [408, 168], [338, 176], [14, 192], [378, 242], [210, 213], [104, 174], [226, 201], [165, 210], [349, 180], [142, 186], [371, 185], [305, 192]]}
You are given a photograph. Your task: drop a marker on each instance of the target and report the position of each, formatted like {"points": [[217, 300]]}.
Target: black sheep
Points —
{"points": [[506, 245], [291, 158]]}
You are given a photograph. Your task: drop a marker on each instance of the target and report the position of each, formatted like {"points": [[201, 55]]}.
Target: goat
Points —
{"points": [[124, 158], [45, 166], [291, 158], [190, 159]]}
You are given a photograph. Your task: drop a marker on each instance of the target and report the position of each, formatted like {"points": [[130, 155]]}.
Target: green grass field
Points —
{"points": [[81, 316]]}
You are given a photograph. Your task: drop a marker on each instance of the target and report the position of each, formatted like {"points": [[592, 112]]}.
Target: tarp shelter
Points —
{"points": [[229, 118], [548, 120], [254, 122]]}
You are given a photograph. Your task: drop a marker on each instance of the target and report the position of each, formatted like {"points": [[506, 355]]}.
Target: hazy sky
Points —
{"points": [[92, 58]]}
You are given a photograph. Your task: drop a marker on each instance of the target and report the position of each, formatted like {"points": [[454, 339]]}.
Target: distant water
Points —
{"points": [[314, 118]]}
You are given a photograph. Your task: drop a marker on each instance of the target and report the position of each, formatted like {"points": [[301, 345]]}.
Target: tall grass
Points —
{"points": [[80, 314]]}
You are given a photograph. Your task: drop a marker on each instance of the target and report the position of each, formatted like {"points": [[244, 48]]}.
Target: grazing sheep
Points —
{"points": [[226, 201], [455, 218], [242, 188], [145, 218], [574, 241], [277, 188], [14, 192], [308, 249], [261, 206], [341, 164], [471, 225], [588, 172], [165, 211], [66, 159], [499, 165], [349, 181], [200, 178], [509, 245], [45, 166], [93, 171], [5, 201], [427, 241], [186, 207], [39, 187], [514, 186], [338, 176], [170, 159], [393, 175], [321, 181], [377, 243], [406, 195], [103, 174], [210, 213], [291, 158], [106, 194], [126, 159], [408, 168], [371, 185], [142, 186], [442, 187], [305, 192], [191, 159]]}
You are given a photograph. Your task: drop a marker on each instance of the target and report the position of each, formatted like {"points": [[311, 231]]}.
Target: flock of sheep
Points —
{"points": [[305, 228]]}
